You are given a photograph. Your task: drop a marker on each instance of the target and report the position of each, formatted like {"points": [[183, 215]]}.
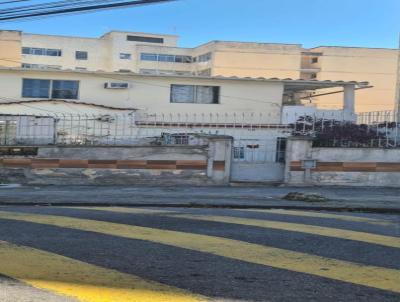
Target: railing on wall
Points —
{"points": [[248, 129]]}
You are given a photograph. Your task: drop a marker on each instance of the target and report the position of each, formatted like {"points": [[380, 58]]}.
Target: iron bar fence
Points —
{"points": [[370, 129]]}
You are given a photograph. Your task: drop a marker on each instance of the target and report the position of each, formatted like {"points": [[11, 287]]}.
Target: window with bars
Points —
{"points": [[194, 94]]}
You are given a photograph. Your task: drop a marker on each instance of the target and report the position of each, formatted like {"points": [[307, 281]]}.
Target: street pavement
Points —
{"points": [[123, 254], [340, 198]]}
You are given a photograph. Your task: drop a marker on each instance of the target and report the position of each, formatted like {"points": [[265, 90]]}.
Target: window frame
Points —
{"points": [[215, 97], [125, 56], [23, 88], [78, 56], [38, 51], [50, 89]]}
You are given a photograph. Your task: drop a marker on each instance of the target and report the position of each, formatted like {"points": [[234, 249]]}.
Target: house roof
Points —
{"points": [[289, 83]]}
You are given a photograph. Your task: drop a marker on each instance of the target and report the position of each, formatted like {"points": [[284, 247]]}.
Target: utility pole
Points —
{"points": [[397, 98]]}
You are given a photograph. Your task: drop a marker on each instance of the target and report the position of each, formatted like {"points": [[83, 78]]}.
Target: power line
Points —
{"points": [[80, 9]]}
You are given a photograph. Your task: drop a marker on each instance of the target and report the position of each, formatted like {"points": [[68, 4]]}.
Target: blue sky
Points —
{"points": [[365, 23]]}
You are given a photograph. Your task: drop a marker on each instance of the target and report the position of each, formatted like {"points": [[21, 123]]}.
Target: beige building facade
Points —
{"points": [[153, 54]]}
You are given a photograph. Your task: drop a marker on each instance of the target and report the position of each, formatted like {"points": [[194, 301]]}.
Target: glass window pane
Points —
{"points": [[207, 94], [26, 50], [81, 55], [65, 89], [38, 51], [35, 88], [125, 56], [148, 57], [53, 52], [182, 93]]}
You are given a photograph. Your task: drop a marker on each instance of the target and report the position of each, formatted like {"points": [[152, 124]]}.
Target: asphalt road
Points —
{"points": [[111, 254]]}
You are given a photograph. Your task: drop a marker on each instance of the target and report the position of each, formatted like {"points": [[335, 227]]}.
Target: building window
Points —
{"points": [[194, 94], [165, 58], [280, 149], [238, 152], [205, 58], [313, 76], [65, 89], [81, 55], [145, 39], [80, 68], [37, 88], [125, 56], [314, 60], [41, 51], [164, 72], [40, 66]]}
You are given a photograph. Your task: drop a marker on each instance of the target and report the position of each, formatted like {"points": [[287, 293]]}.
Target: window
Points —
{"points": [[238, 152], [205, 58], [148, 57], [313, 76], [81, 55], [125, 56], [145, 39], [194, 94], [65, 89], [164, 72], [41, 51], [165, 58], [35, 88], [314, 60], [80, 68], [280, 149], [38, 88], [40, 66]]}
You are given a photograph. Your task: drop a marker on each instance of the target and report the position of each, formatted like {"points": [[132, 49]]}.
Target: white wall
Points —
{"points": [[152, 94]]}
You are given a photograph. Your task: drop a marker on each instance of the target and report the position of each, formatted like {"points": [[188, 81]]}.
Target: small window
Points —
{"points": [[313, 76], [65, 89], [314, 60], [125, 56], [35, 88], [238, 152], [145, 39], [280, 149], [194, 94], [26, 50], [81, 55]]}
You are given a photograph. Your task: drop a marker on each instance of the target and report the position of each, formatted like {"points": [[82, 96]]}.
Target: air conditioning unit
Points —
{"points": [[116, 85]]}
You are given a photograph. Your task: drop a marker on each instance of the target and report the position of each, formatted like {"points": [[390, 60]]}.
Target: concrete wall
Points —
{"points": [[374, 65], [341, 166], [10, 48], [120, 165], [152, 93]]}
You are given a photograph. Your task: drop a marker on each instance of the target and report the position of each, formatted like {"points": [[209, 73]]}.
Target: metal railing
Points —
{"points": [[368, 130]]}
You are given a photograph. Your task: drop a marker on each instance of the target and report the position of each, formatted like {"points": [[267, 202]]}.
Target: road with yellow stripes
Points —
{"points": [[117, 254]]}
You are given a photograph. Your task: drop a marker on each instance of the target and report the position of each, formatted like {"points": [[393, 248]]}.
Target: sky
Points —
{"points": [[363, 23]]}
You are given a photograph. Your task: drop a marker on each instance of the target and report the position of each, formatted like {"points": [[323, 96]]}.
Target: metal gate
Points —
{"points": [[258, 160]]}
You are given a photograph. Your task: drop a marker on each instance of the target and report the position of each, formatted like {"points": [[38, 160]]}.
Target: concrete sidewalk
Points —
{"points": [[340, 198]]}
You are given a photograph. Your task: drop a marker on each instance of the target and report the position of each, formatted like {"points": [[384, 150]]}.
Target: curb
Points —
{"points": [[211, 206]]}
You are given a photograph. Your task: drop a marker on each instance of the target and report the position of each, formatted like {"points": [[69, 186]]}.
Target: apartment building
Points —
{"points": [[154, 54]]}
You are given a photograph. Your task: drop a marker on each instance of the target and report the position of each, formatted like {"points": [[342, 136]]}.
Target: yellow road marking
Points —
{"points": [[82, 281], [302, 228], [323, 215], [124, 210], [367, 275]]}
